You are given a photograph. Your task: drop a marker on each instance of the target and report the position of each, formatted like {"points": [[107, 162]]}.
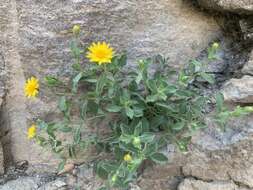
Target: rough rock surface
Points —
{"points": [[248, 67], [217, 155], [34, 41], [192, 184], [37, 35], [1, 160], [33, 183], [239, 90], [27, 183], [236, 6]]}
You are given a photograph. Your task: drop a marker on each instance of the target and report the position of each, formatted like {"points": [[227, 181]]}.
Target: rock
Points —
{"points": [[246, 26], [192, 184], [1, 160], [54, 185], [223, 155], [36, 36], [23, 183], [86, 179], [248, 67], [235, 6], [239, 90]]}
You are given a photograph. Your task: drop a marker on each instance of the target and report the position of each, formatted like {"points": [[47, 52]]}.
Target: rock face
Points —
{"points": [[192, 184], [223, 156], [37, 35], [239, 90], [34, 42], [235, 6], [248, 67], [32, 183]]}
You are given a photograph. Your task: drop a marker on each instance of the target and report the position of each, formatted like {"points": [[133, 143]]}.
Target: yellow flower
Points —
{"points": [[32, 87], [76, 29], [100, 53], [31, 133], [128, 158]]}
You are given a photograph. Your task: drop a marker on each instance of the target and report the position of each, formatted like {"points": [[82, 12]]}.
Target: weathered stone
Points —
{"points": [[236, 6], [23, 183], [217, 155], [239, 90], [1, 160], [192, 184], [54, 185], [86, 179], [248, 67], [15, 143], [246, 25]]}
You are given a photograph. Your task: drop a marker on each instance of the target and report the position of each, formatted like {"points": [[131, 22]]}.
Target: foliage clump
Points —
{"points": [[146, 108]]}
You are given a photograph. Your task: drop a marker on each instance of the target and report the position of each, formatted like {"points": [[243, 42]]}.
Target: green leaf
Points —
{"points": [[123, 60], [76, 66], [197, 65], [101, 84], [219, 101], [209, 78], [113, 108], [150, 149], [159, 158], [178, 126], [101, 171], [42, 124], [138, 129], [61, 165], [76, 52], [65, 129], [50, 130], [157, 121], [129, 112], [102, 188], [83, 109], [151, 98], [75, 82], [171, 89], [52, 81], [138, 111], [138, 78], [91, 80], [63, 106], [77, 135], [147, 137]]}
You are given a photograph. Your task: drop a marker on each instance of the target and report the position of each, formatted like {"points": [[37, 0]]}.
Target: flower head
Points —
{"points": [[31, 133], [32, 87], [128, 158], [76, 29], [100, 53]]}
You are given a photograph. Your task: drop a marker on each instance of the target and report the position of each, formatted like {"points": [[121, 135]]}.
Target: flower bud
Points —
{"points": [[76, 29], [128, 158], [136, 141], [114, 178], [215, 45]]}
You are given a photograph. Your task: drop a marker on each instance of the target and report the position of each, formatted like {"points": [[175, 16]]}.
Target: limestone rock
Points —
{"points": [[236, 6], [239, 90], [192, 184]]}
